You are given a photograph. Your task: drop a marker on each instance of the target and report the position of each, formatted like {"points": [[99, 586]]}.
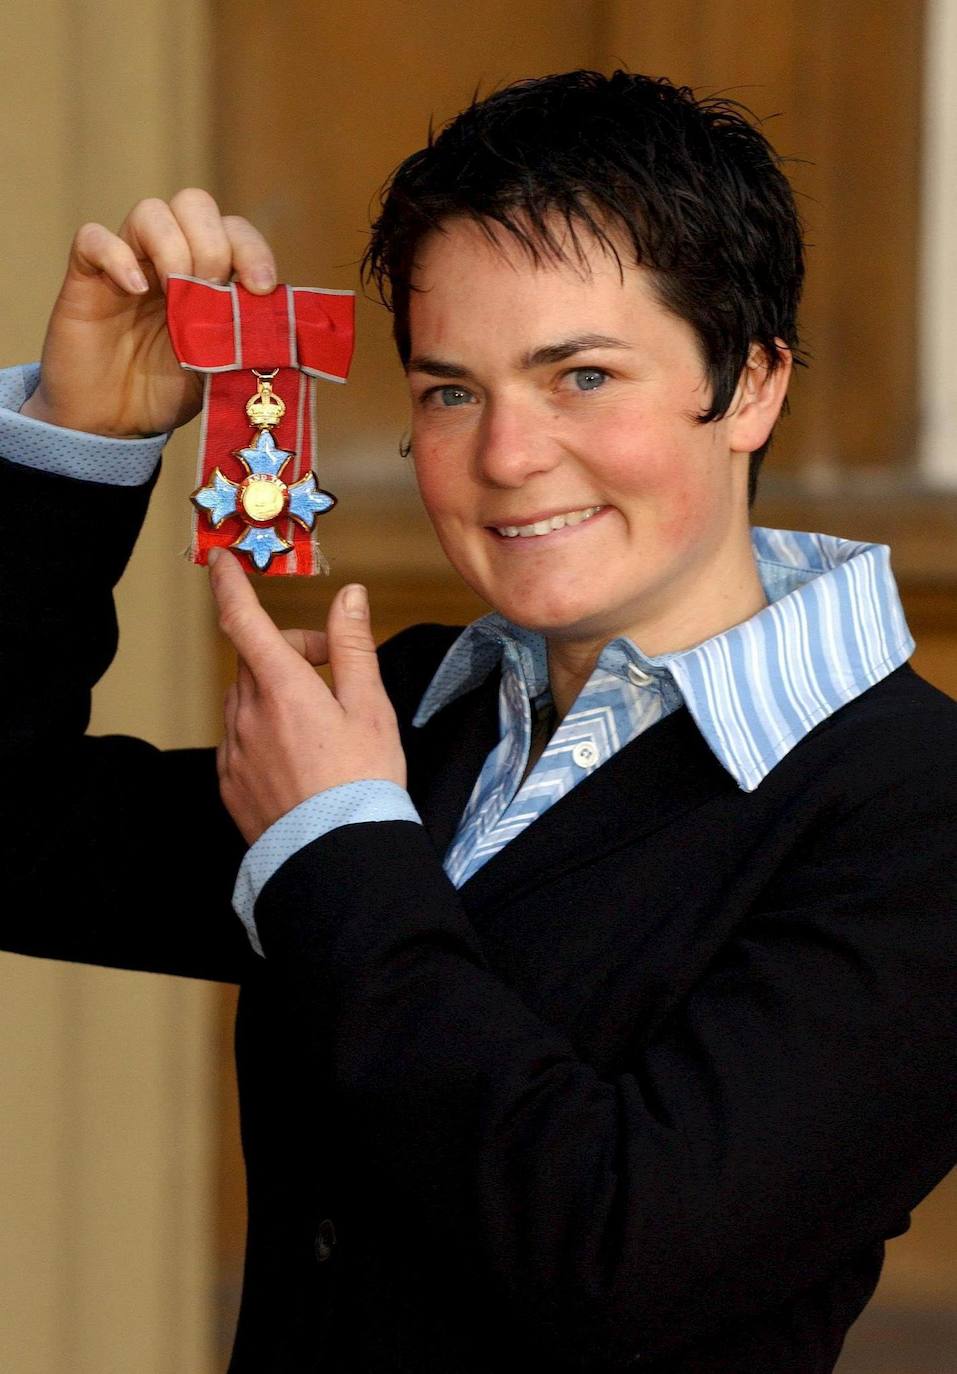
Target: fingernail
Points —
{"points": [[137, 281], [355, 602], [213, 556], [264, 279]]}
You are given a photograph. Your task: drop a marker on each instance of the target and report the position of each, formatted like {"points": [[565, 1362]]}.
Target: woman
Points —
{"points": [[598, 1009]]}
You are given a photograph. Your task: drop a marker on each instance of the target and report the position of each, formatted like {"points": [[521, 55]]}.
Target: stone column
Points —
{"points": [[938, 281]]}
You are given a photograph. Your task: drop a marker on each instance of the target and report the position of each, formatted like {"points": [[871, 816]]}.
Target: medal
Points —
{"points": [[263, 498], [257, 493]]}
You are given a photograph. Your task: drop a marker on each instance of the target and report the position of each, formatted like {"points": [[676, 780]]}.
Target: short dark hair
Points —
{"points": [[696, 187]]}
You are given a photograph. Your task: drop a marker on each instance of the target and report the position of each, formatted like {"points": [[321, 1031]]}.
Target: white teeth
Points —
{"points": [[556, 522]]}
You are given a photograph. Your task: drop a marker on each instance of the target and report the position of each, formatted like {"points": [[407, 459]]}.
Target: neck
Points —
{"points": [[572, 661]]}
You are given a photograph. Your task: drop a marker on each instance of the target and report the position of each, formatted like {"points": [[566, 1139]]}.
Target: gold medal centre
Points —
{"points": [[262, 497]]}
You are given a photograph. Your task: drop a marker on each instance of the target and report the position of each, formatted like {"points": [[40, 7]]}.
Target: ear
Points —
{"points": [[758, 398]]}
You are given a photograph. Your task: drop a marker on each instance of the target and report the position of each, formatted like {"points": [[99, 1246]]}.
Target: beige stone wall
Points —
{"points": [[105, 1079]]}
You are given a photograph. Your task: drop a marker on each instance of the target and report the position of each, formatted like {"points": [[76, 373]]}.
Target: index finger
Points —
{"points": [[242, 619]]}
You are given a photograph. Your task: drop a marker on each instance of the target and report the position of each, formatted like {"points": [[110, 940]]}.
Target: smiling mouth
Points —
{"points": [[554, 522]]}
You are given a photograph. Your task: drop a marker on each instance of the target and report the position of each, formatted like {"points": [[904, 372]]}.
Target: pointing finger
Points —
{"points": [[243, 620], [245, 683]]}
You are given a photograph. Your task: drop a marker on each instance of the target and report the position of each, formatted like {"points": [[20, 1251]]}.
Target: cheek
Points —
{"points": [[684, 520], [434, 477], [671, 483]]}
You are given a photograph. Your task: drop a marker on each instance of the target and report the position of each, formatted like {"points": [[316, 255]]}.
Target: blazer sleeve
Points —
{"points": [[790, 1111], [113, 852]]}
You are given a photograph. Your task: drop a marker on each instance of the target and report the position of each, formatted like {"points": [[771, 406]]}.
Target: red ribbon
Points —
{"points": [[225, 332]]}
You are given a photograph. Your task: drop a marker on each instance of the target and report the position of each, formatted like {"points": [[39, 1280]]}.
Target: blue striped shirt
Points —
{"points": [[833, 627]]}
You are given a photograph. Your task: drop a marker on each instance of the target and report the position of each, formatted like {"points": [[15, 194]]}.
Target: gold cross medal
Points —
{"points": [[262, 498]]}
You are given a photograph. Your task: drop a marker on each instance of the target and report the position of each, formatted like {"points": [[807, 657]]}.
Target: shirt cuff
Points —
{"points": [[68, 452], [354, 803]]}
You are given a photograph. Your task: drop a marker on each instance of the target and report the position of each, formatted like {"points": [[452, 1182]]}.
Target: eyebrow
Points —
{"points": [[538, 357]]}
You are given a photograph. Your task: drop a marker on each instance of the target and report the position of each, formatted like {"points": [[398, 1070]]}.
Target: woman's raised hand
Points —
{"points": [[108, 367]]}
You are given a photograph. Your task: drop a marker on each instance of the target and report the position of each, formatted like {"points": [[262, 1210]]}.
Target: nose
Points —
{"points": [[512, 445]]}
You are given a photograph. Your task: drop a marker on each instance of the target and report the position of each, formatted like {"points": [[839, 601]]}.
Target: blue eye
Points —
{"points": [[589, 378], [452, 395]]}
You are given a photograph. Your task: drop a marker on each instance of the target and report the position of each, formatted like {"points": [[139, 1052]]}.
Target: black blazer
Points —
{"points": [[650, 1091]]}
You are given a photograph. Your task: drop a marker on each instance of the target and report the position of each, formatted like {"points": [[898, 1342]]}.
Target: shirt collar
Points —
{"points": [[833, 628]]}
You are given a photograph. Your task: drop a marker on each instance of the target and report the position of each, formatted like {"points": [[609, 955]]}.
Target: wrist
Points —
{"points": [[36, 407]]}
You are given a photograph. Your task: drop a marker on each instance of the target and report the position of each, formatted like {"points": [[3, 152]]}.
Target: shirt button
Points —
{"points": [[638, 677], [585, 754]]}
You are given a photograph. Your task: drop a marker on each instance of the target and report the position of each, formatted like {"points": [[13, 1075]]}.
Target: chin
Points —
{"points": [[557, 621]]}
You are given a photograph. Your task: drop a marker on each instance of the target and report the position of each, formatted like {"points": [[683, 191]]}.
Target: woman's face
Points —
{"points": [[556, 447]]}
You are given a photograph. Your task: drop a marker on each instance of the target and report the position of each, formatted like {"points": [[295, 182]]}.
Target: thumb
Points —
{"points": [[352, 655]]}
